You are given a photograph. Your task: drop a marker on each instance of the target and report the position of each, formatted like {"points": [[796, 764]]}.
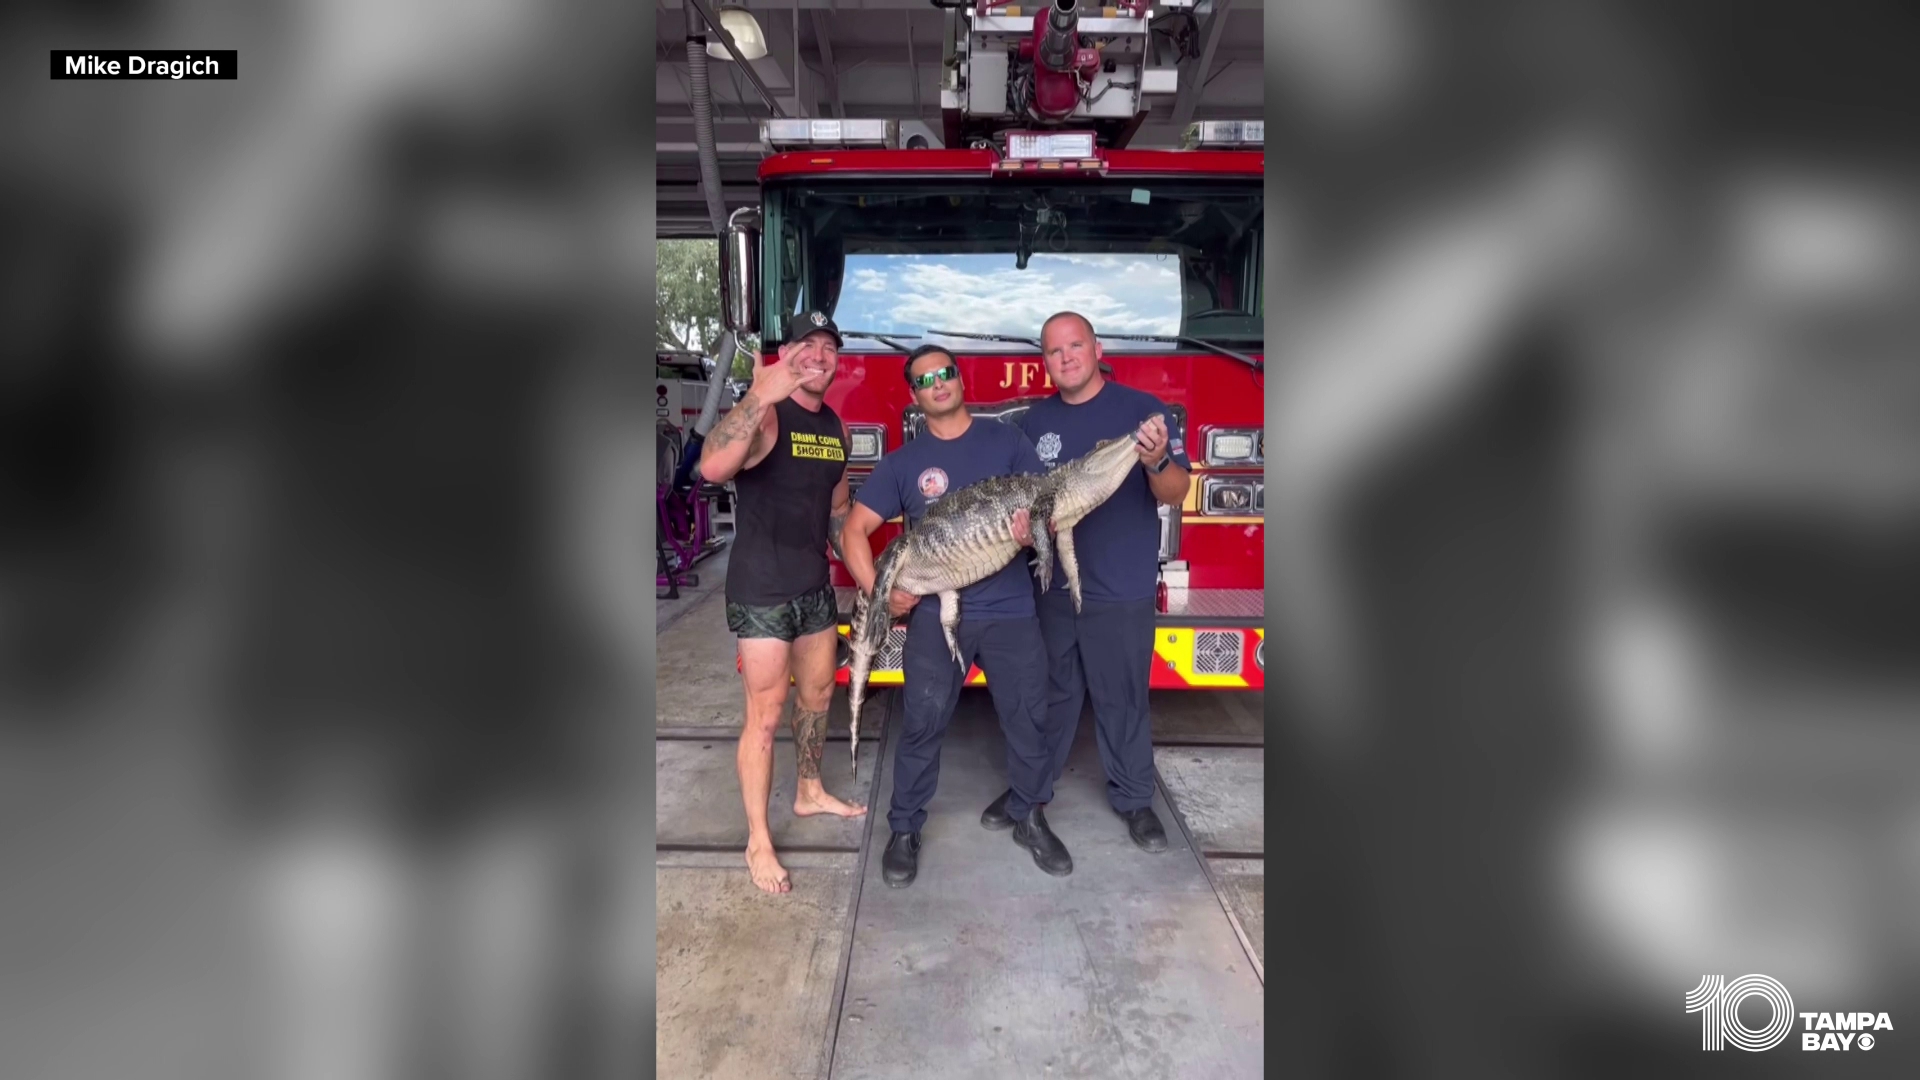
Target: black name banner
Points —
{"points": [[146, 64]]}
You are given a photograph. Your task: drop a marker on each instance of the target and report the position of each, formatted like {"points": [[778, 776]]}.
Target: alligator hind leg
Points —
{"points": [[1042, 555], [950, 621], [1069, 562]]}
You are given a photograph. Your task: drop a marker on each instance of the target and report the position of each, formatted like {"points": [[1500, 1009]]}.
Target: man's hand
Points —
{"points": [[1150, 441], [1023, 527], [899, 603], [774, 383]]}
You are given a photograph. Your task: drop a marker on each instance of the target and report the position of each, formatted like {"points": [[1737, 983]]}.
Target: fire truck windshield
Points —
{"points": [[1141, 257]]}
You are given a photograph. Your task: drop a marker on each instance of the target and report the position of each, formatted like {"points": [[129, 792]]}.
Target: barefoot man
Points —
{"points": [[785, 452]]}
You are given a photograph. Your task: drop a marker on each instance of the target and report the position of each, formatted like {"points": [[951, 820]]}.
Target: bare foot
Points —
{"points": [[807, 804], [767, 871]]}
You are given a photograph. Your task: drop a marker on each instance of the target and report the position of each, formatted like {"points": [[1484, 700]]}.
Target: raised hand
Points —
{"points": [[773, 383]]}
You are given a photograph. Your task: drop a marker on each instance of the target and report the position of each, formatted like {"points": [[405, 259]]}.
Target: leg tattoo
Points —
{"points": [[809, 740]]}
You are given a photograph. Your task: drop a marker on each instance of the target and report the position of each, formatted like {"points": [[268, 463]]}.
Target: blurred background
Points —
{"points": [[1595, 541], [1594, 552], [321, 611]]}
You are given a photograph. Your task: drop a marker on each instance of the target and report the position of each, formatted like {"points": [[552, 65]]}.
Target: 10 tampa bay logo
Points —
{"points": [[1718, 1003]]}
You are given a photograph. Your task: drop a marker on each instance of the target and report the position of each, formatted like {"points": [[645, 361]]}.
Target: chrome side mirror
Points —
{"points": [[739, 272]]}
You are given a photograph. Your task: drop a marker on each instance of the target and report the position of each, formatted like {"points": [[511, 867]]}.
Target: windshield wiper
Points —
{"points": [[988, 337], [881, 338], [1178, 339], [1105, 368], [1256, 365]]}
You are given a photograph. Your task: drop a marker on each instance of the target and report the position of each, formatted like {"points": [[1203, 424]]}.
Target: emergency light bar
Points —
{"points": [[1225, 134], [1039, 151], [800, 134], [1049, 145]]}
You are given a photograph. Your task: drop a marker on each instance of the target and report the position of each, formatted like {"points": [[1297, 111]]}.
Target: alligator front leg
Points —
{"points": [[950, 620], [1040, 522]]}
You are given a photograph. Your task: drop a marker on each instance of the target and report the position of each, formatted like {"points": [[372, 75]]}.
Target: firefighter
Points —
{"points": [[997, 628], [1105, 650]]}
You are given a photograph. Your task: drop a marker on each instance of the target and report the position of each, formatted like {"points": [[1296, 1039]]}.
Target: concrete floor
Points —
{"points": [[696, 684], [1243, 885], [1222, 793], [1136, 965], [703, 807], [986, 967], [746, 979]]}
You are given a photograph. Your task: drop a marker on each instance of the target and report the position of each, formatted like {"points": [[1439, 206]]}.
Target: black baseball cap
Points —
{"points": [[799, 326]]}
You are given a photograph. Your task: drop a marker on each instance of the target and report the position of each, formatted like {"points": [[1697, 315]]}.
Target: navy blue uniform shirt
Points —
{"points": [[914, 477], [1118, 545]]}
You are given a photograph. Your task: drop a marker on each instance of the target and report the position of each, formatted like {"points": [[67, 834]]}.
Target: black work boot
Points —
{"points": [[995, 815], [1145, 828], [902, 859], [1048, 852]]}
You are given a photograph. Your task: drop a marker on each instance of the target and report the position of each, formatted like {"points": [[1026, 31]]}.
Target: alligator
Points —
{"points": [[967, 537]]}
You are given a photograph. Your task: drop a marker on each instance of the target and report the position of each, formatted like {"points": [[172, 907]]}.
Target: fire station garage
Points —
{"points": [[924, 174]]}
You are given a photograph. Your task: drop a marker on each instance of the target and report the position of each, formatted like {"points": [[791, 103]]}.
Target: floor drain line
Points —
{"points": [[1246, 944], [874, 810]]}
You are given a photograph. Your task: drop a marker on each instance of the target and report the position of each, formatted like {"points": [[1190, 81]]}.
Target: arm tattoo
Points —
{"points": [[740, 422], [809, 740], [835, 525]]}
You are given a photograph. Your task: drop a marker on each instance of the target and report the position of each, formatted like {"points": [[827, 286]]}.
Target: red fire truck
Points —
{"points": [[972, 246]]}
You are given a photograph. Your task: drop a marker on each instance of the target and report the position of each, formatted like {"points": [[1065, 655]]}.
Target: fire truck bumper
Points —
{"points": [[1202, 642]]}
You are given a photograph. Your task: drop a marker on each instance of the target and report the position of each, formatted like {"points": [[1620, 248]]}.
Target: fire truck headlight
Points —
{"points": [[866, 442], [1232, 495], [1234, 446]]}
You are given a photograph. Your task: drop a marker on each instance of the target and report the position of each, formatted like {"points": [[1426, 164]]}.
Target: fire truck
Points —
{"points": [[1027, 203]]}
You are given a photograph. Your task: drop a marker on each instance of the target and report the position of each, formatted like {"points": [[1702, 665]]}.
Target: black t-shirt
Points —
{"points": [[780, 528]]}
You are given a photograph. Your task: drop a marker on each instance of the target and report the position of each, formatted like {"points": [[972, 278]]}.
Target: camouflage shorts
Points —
{"points": [[808, 613]]}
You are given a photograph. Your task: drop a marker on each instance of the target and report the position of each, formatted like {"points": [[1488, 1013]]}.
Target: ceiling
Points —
{"points": [[881, 58]]}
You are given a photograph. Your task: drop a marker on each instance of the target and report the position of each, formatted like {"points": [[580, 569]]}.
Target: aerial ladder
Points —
{"points": [[1064, 64]]}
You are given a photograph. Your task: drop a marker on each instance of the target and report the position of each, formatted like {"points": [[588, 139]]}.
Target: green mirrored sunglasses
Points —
{"points": [[926, 380]]}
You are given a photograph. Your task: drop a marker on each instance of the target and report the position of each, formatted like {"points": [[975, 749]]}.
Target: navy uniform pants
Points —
{"points": [[1104, 652], [1012, 654]]}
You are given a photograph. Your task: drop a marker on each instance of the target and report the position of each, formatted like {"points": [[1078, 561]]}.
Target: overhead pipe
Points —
{"points": [[701, 101]]}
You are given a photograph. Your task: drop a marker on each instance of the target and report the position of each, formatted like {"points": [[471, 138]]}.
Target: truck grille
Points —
{"points": [[1216, 652]]}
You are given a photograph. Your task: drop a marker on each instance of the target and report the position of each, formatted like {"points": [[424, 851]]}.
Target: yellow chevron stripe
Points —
{"points": [[1175, 646], [896, 677]]}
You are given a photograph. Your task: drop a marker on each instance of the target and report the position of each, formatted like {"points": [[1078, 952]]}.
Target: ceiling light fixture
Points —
{"points": [[746, 32]]}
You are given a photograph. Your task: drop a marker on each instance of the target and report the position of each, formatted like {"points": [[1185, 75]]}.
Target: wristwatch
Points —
{"points": [[1162, 467]]}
